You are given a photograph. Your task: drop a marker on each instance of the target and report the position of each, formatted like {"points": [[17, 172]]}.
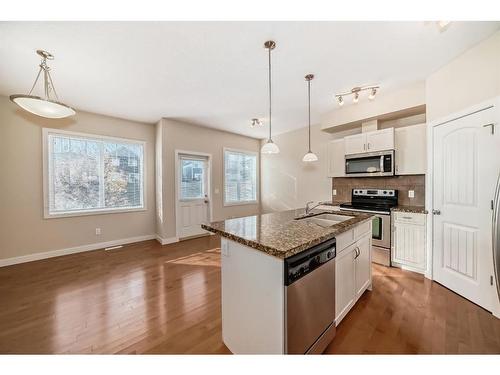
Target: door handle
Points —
{"points": [[492, 127], [436, 212]]}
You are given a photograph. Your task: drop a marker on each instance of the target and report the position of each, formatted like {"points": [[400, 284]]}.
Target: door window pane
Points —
{"points": [[192, 179]]}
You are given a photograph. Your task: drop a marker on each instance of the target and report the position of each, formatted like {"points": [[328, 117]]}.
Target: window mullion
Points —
{"points": [[101, 175]]}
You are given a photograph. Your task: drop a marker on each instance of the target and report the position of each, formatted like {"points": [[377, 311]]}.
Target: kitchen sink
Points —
{"points": [[325, 220]]}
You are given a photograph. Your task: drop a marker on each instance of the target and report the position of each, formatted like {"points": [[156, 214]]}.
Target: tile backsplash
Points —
{"points": [[403, 184]]}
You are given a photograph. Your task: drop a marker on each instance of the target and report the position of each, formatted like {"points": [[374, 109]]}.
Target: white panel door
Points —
{"points": [[410, 143], [192, 195], [380, 140], [355, 144], [336, 158], [466, 164]]}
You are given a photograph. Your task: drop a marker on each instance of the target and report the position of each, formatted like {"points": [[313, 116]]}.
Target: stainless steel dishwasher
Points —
{"points": [[310, 299]]}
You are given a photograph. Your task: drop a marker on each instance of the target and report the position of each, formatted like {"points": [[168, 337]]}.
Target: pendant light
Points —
{"points": [[46, 106], [310, 156], [270, 147]]}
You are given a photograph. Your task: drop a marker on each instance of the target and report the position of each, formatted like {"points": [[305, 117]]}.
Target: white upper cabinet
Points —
{"points": [[411, 149], [355, 144], [336, 159], [378, 140]]}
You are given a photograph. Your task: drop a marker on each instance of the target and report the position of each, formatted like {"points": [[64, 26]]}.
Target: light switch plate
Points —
{"points": [[334, 191], [411, 193]]}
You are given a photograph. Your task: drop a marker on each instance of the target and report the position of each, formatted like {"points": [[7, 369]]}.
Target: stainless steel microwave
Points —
{"points": [[370, 164]]}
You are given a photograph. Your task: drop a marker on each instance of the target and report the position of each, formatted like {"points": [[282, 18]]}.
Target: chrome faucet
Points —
{"points": [[308, 208]]}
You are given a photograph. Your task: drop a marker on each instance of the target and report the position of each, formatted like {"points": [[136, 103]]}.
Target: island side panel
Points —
{"points": [[252, 300]]}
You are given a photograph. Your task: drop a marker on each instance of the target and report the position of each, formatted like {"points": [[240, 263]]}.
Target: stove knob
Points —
{"points": [[385, 192], [329, 254]]}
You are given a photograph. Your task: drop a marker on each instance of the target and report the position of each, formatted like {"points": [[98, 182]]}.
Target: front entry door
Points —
{"points": [[193, 195], [466, 164]]}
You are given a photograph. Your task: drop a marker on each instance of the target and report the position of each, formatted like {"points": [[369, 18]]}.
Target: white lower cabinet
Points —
{"points": [[352, 273], [363, 268], [408, 241]]}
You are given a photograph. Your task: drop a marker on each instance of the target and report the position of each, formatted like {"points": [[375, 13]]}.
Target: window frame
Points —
{"points": [[46, 172], [257, 175]]}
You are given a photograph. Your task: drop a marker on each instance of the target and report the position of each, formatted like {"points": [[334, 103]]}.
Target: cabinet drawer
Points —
{"points": [[409, 218], [344, 240], [362, 229]]}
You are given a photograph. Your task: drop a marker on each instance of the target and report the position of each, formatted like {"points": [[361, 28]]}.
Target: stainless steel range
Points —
{"points": [[378, 202]]}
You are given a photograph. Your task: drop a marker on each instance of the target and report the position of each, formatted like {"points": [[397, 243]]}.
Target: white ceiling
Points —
{"points": [[215, 73]]}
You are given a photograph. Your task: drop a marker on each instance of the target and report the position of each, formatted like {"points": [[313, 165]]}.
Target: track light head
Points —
{"points": [[340, 100], [372, 94]]}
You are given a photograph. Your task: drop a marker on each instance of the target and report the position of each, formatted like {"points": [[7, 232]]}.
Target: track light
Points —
{"points": [[372, 94], [355, 92], [256, 122]]}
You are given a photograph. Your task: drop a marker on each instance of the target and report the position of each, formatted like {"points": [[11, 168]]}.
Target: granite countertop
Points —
{"points": [[412, 209], [278, 234]]}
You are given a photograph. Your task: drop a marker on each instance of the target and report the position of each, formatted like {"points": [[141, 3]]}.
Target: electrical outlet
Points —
{"points": [[334, 191], [411, 193], [97, 231]]}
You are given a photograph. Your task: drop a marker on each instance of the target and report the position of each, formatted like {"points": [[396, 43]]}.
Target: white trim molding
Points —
{"points": [[74, 250], [166, 241]]}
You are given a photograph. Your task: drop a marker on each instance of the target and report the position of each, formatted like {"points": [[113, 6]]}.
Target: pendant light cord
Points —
{"points": [[270, 100], [309, 111]]}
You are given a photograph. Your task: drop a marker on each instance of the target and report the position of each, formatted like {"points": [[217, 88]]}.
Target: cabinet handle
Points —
{"points": [[357, 252], [364, 146], [368, 145]]}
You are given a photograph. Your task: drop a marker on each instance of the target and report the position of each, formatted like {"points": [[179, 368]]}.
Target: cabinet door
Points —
{"points": [[336, 158], [363, 269], [355, 144], [344, 283], [411, 149], [380, 140], [409, 245]]}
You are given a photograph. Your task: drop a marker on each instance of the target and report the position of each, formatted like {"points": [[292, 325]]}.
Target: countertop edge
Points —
{"points": [[410, 209], [293, 251]]}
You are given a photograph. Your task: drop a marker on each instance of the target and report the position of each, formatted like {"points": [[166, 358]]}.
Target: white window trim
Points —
{"points": [[86, 212], [257, 181]]}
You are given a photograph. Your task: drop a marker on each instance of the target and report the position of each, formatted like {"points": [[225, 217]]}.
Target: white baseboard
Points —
{"points": [[166, 241], [73, 250]]}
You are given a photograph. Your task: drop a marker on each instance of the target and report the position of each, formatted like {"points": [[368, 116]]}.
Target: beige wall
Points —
{"points": [[178, 135], [23, 230], [471, 78], [286, 181]]}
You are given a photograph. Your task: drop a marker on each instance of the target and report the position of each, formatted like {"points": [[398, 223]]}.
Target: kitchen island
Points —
{"points": [[255, 251]]}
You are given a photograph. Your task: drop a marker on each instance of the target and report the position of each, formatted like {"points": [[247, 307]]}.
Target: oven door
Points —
{"points": [[370, 164], [381, 231]]}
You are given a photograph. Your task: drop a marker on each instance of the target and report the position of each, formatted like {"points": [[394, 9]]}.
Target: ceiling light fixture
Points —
{"points": [[310, 156], [270, 147], [356, 97], [443, 25], [372, 94], [355, 91], [256, 122], [47, 106]]}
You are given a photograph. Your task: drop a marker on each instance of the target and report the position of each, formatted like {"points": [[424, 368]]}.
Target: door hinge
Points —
{"points": [[491, 279], [492, 204]]}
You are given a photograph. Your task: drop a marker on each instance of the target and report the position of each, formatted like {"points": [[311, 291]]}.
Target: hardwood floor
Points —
{"points": [[146, 298]]}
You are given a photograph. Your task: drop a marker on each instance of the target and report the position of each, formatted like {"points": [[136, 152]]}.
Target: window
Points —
{"points": [[240, 177], [90, 174]]}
